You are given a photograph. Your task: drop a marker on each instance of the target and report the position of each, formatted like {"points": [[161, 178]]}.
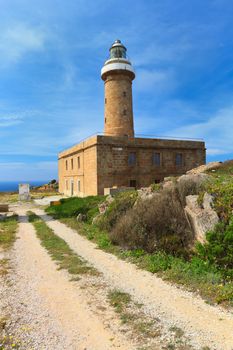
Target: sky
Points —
{"points": [[51, 93]]}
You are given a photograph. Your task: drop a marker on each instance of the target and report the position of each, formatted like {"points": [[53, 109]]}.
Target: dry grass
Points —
{"points": [[13, 197], [8, 228], [60, 251], [158, 223]]}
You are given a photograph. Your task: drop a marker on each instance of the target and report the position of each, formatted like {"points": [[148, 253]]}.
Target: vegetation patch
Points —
{"points": [[8, 228], [155, 235], [158, 223], [71, 207], [130, 315], [4, 267], [7, 342], [118, 208], [59, 249]]}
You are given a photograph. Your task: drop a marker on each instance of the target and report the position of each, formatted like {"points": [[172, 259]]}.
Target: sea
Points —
{"points": [[13, 186]]}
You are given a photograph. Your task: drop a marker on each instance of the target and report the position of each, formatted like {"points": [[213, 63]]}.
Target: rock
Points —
{"points": [[198, 178], [203, 219], [205, 167], [81, 217], [145, 193], [96, 218], [168, 184], [104, 206]]}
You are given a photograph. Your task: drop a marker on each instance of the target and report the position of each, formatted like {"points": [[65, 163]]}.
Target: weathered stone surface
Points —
{"points": [[145, 193], [205, 167], [201, 219], [24, 192], [198, 178], [103, 206], [81, 217]]}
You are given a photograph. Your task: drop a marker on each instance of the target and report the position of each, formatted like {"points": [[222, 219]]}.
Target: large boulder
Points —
{"points": [[205, 167], [201, 218], [197, 178]]}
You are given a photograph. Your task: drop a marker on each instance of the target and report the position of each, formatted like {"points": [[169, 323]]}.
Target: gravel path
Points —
{"points": [[205, 325], [48, 311]]}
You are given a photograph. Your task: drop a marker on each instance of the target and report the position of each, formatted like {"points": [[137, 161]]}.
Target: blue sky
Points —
{"points": [[51, 93]]}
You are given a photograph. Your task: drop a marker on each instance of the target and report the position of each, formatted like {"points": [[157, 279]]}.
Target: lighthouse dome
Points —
{"points": [[117, 61]]}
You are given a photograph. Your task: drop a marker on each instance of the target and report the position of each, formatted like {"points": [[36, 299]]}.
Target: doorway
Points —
{"points": [[133, 183], [71, 188]]}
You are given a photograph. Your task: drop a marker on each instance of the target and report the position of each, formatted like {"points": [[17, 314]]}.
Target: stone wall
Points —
{"points": [[113, 160], [78, 165]]}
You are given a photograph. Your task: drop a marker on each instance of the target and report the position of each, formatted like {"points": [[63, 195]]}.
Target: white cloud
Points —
{"points": [[217, 132], [18, 39], [10, 120]]}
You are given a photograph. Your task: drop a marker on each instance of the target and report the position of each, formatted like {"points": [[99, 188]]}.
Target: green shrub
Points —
{"points": [[221, 187], [218, 250], [155, 187], [71, 207], [122, 202]]}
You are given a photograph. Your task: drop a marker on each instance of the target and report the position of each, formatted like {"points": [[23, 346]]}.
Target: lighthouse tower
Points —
{"points": [[118, 75]]}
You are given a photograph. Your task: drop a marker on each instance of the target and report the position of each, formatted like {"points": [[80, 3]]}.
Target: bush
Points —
{"points": [[71, 207], [218, 250], [158, 223], [189, 187], [122, 202]]}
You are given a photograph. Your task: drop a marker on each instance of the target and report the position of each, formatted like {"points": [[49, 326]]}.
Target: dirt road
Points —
{"points": [[49, 311], [205, 324]]}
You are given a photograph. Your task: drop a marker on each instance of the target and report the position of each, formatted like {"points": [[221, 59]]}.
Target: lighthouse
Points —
{"points": [[118, 74], [106, 164]]}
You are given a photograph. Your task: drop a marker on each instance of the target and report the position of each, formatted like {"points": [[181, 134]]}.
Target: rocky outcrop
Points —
{"points": [[197, 178], [201, 218], [145, 193], [104, 206], [205, 167]]}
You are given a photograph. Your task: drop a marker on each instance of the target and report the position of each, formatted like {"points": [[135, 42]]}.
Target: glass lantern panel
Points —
{"points": [[118, 52]]}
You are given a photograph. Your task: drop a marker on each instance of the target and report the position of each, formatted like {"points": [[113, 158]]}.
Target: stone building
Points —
{"points": [[117, 158]]}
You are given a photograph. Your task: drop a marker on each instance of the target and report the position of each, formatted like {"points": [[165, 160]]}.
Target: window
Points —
{"points": [[157, 181], [179, 159], [66, 164], [124, 112], [72, 163], [156, 159], [105, 120], [105, 100], [133, 183], [78, 159], [124, 94], [67, 185], [79, 186], [132, 159]]}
